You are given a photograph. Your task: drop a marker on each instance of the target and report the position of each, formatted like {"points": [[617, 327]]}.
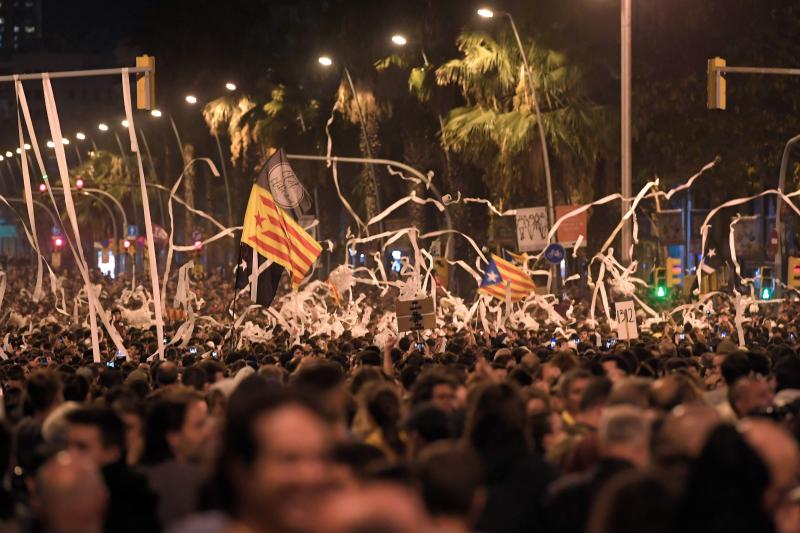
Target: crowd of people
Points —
{"points": [[684, 429]]}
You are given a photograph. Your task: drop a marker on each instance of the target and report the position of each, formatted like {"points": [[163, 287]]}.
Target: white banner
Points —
{"points": [[532, 229]]}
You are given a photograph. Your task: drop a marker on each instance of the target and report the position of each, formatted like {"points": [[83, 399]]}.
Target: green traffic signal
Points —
{"points": [[661, 292], [766, 293]]}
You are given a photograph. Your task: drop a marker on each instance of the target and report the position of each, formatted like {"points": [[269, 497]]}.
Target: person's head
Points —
{"points": [[176, 427], [451, 479], [426, 424], [196, 378], [787, 373], [749, 394], [633, 502], [631, 391], [274, 466], [685, 430], [69, 495], [779, 452], [497, 426], [166, 374], [44, 391], [675, 389], [734, 366], [96, 433], [624, 433], [435, 386], [382, 403], [571, 387], [593, 401]]}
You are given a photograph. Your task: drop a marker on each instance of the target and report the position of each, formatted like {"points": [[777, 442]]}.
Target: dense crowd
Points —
{"points": [[463, 429]]}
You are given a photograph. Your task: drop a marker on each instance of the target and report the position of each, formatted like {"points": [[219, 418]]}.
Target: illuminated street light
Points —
{"points": [[51, 144], [102, 127], [191, 99], [18, 151], [64, 140], [80, 136], [1, 157], [230, 86], [156, 113], [9, 154], [27, 146], [325, 61], [125, 124], [399, 40], [486, 13]]}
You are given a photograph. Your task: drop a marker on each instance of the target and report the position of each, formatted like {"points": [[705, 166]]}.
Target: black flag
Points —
{"points": [[267, 282]]}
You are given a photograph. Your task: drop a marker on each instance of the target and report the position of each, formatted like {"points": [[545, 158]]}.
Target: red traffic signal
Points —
{"points": [[58, 242], [79, 184], [198, 245], [42, 187]]}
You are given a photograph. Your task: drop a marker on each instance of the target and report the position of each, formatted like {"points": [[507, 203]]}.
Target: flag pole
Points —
{"points": [[232, 306]]}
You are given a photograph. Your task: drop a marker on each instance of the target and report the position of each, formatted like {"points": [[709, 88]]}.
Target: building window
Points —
{"points": [[16, 29], [30, 29]]}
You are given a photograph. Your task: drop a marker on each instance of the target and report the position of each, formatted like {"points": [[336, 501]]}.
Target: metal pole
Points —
{"points": [[625, 142], [77, 73], [78, 153], [532, 91], [154, 174], [778, 222], [225, 177], [177, 138], [366, 142]]}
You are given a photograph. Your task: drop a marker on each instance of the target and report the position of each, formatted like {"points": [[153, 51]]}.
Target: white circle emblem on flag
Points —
{"points": [[286, 188]]}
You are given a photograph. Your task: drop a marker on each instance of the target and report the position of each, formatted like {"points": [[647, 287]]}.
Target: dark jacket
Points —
{"points": [[514, 497], [132, 505], [570, 499]]}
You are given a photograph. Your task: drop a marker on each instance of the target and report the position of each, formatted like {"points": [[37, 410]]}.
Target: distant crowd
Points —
{"points": [[685, 429]]}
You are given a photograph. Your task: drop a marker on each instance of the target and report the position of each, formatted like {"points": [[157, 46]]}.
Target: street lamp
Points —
{"points": [[230, 86], [488, 13], [399, 40], [191, 99], [156, 113], [102, 127], [64, 140], [9, 154], [80, 136], [125, 123], [326, 62], [51, 144]]}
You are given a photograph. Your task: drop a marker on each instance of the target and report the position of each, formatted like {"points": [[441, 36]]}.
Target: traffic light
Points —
{"points": [[674, 272], [794, 273], [146, 83], [79, 184], [766, 282], [42, 188], [659, 283], [58, 242], [716, 84]]}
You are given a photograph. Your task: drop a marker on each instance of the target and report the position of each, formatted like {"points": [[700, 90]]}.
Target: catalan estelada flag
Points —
{"points": [[500, 273], [271, 233]]}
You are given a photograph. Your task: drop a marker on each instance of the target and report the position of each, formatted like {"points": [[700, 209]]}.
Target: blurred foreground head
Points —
{"points": [[70, 496]]}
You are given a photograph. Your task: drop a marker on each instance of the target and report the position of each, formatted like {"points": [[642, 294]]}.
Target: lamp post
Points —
{"points": [[625, 111], [488, 13], [326, 61]]}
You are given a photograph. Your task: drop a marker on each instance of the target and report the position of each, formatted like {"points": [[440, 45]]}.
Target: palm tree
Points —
{"points": [[496, 127]]}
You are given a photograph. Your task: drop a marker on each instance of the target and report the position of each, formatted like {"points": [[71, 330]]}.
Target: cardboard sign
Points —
{"points": [[569, 230], [415, 315], [532, 229], [626, 321]]}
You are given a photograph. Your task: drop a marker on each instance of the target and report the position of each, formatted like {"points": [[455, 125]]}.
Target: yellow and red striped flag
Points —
{"points": [[270, 231], [501, 273]]}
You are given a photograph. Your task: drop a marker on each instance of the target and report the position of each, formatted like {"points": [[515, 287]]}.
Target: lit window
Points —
{"points": [[30, 29], [16, 29]]}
